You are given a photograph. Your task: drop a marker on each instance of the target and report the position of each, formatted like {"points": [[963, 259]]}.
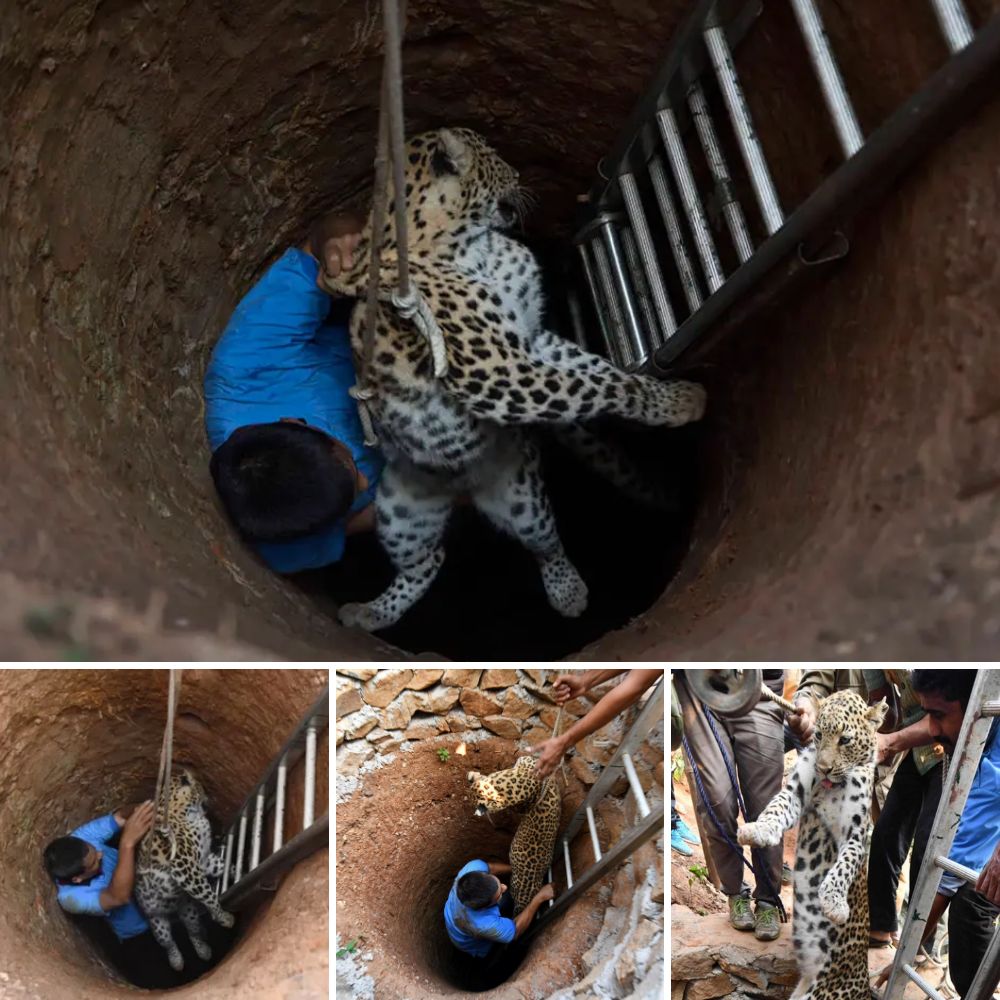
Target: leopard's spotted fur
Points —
{"points": [[466, 434], [532, 846], [171, 872], [829, 794]]}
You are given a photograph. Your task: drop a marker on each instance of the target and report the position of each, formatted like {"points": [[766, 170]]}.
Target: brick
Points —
{"points": [[358, 673], [357, 724], [517, 704], [506, 728], [717, 984], [498, 679], [348, 697], [440, 699], [398, 714], [479, 704], [382, 688], [461, 678], [426, 729], [422, 679]]}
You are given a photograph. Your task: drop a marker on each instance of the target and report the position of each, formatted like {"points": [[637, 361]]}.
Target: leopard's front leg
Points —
{"points": [[834, 888], [783, 811]]}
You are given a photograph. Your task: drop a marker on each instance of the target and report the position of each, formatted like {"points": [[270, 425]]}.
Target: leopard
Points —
{"points": [[466, 434], [173, 869], [829, 794], [533, 844]]}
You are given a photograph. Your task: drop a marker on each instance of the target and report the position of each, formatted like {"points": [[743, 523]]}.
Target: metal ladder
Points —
{"points": [[238, 885], [984, 705], [651, 820], [629, 261]]}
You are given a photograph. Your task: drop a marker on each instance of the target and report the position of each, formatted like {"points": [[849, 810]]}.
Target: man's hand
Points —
{"points": [[332, 241], [549, 754], [989, 878], [883, 976], [803, 720], [138, 824], [883, 748], [567, 686], [544, 894]]}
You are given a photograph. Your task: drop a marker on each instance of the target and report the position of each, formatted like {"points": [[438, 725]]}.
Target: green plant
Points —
{"points": [[699, 873], [443, 755], [677, 765], [349, 949]]}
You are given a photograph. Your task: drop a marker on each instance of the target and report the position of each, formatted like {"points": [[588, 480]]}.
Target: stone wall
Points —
{"points": [[379, 711]]}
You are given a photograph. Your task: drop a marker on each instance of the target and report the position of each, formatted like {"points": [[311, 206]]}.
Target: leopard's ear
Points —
{"points": [[876, 714], [472, 777], [452, 156], [525, 763]]}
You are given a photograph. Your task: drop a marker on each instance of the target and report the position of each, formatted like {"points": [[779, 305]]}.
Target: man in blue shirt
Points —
{"points": [[972, 910], [97, 880], [477, 911], [288, 455]]}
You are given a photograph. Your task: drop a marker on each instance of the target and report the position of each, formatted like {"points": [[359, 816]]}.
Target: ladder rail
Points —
{"points": [[633, 839], [964, 766], [988, 977], [649, 715]]}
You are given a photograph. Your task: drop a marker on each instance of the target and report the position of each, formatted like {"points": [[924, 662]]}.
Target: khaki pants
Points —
{"points": [[755, 747]]}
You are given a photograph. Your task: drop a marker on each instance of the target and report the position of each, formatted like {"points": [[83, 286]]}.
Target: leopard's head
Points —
{"points": [[845, 735], [186, 790], [504, 789]]}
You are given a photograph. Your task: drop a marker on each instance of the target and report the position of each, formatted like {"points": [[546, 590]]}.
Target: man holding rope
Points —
{"points": [[96, 879], [289, 459]]}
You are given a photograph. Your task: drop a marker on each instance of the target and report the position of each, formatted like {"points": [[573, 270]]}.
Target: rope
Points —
{"points": [[163, 776], [407, 300], [767, 693]]}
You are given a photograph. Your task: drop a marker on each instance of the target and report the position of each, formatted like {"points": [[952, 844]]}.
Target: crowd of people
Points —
{"points": [[737, 765]]}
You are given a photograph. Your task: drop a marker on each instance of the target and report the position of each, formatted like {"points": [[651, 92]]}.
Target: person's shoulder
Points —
{"points": [[476, 865]]}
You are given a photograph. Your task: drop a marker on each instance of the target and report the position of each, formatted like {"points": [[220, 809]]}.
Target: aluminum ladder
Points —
{"points": [[984, 705], [240, 884], [633, 262], [650, 820]]}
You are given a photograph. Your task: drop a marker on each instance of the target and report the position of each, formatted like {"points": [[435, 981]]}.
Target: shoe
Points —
{"points": [[677, 843], [874, 942], [766, 923], [739, 913], [685, 831], [786, 875]]}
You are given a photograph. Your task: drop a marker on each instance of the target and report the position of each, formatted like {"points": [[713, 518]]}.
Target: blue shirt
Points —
{"points": [[126, 921], [280, 356], [979, 828], [473, 931]]}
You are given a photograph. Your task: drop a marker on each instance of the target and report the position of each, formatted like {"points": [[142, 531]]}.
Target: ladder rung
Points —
{"points": [[639, 349], [258, 823], [969, 874], [633, 206], [593, 834], [633, 780], [830, 80], [954, 22], [739, 113], [551, 901], [641, 289], [991, 708], [689, 280], [569, 871], [310, 782], [226, 860], [731, 208], [279, 805], [922, 983], [239, 848], [690, 199], [622, 346], [599, 308]]}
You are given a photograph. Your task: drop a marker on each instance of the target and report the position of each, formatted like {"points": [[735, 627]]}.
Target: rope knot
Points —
{"points": [[362, 394], [412, 306]]}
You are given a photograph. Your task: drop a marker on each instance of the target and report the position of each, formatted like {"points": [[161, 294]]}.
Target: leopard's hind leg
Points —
{"points": [[515, 501], [199, 888], [190, 916], [411, 518]]}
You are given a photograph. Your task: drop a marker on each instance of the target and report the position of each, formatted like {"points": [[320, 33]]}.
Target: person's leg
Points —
{"points": [[679, 830], [891, 840], [759, 739], [931, 784], [717, 789], [970, 930]]}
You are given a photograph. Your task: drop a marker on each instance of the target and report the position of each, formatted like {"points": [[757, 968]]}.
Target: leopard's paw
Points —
{"points": [[834, 907], [362, 616], [757, 835], [225, 919], [175, 958], [203, 950]]}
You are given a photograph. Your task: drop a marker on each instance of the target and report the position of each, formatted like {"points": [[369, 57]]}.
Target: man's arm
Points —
{"points": [[916, 735], [362, 521], [523, 920], [498, 868], [119, 891], [552, 750]]}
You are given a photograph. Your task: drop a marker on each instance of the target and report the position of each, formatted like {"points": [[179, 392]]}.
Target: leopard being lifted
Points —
{"points": [[171, 872], [467, 432], [829, 795], [532, 846]]}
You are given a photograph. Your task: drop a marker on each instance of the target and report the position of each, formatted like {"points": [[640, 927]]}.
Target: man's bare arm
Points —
{"points": [[119, 891]]}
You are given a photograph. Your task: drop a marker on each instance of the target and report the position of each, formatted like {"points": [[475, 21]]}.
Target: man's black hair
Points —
{"points": [[64, 858], [951, 685], [281, 481], [476, 889]]}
